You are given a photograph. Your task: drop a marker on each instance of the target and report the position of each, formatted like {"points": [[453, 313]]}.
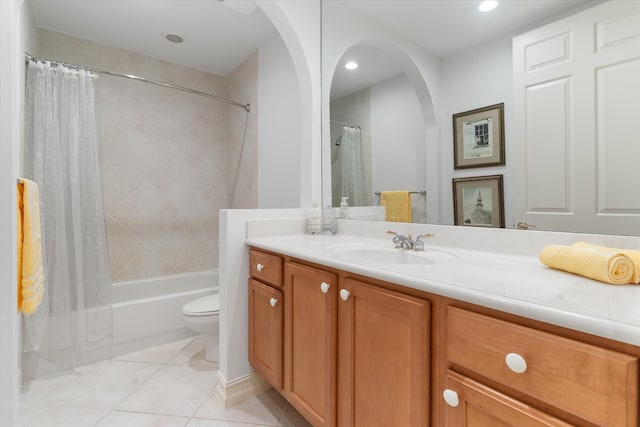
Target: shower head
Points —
{"points": [[338, 141]]}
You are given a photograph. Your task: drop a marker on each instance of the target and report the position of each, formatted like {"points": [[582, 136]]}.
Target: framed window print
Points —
{"points": [[479, 201], [478, 137]]}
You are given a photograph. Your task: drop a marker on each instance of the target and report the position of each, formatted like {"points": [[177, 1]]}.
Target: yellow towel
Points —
{"points": [[633, 255], [397, 205], [603, 265], [30, 268]]}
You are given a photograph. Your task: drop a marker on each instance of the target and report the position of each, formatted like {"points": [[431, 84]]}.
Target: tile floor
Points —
{"points": [[165, 386]]}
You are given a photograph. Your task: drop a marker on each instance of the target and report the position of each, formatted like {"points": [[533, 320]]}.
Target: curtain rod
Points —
{"points": [[246, 107], [346, 124]]}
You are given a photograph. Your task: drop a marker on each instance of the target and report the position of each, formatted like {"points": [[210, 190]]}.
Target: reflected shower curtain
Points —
{"points": [[354, 182], [61, 156]]}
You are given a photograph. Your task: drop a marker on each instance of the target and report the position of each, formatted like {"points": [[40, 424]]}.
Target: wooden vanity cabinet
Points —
{"points": [[590, 385], [383, 357], [310, 342], [266, 316]]}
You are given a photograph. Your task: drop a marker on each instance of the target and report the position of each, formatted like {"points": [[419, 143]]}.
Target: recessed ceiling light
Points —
{"points": [[350, 65], [175, 38], [487, 5]]}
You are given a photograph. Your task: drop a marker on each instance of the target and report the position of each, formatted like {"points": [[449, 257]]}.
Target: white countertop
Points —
{"points": [[516, 284]]}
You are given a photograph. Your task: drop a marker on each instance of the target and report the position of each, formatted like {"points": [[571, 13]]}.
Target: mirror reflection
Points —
{"points": [[377, 131], [445, 57]]}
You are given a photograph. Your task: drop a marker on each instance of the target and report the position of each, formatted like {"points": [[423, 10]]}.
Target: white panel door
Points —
{"points": [[576, 121]]}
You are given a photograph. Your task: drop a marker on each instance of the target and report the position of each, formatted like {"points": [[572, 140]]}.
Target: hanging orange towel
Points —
{"points": [[397, 205], [30, 267]]}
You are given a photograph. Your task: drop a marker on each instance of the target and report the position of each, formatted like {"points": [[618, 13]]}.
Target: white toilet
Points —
{"points": [[203, 315]]}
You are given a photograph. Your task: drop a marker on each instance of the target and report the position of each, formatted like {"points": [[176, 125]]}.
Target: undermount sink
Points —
{"points": [[390, 255]]}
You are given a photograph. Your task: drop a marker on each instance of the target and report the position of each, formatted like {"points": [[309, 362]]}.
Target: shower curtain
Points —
{"points": [[354, 181], [61, 155]]}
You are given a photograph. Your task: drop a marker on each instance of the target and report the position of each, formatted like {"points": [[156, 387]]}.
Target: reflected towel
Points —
{"points": [[633, 255], [30, 268], [603, 265], [397, 205]]}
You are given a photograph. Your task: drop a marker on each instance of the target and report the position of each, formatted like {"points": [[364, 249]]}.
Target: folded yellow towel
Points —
{"points": [[633, 255], [603, 265], [30, 267], [397, 205]]}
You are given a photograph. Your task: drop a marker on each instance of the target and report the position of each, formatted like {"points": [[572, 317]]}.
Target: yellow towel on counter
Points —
{"points": [[633, 255], [30, 267], [397, 205], [603, 265]]}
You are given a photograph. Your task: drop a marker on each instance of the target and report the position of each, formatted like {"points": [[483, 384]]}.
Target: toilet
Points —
{"points": [[203, 315]]}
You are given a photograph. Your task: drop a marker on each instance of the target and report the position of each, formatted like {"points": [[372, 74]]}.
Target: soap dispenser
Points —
{"points": [[344, 208]]}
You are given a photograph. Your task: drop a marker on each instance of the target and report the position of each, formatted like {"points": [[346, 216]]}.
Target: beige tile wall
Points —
{"points": [[165, 156]]}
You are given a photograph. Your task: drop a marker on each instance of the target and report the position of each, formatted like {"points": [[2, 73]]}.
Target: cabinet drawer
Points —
{"points": [[481, 406], [598, 385], [265, 267]]}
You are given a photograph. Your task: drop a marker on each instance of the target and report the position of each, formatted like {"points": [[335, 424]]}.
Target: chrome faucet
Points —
{"points": [[406, 242]]}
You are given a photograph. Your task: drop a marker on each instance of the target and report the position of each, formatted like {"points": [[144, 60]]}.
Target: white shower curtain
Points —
{"points": [[354, 182], [61, 155]]}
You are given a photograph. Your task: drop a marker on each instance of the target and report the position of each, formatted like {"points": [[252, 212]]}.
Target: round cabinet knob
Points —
{"points": [[324, 287], [451, 397], [516, 363], [273, 302], [344, 294], [259, 267]]}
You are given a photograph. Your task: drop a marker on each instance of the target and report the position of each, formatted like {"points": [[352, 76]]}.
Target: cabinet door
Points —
{"points": [[383, 358], [266, 317], [471, 404], [310, 343]]}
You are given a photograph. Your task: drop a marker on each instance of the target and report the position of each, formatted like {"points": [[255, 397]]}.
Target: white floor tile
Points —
{"points": [[197, 422], [193, 355], [264, 409], [158, 354], [61, 416], [133, 419], [292, 418], [39, 392], [105, 385], [173, 390]]}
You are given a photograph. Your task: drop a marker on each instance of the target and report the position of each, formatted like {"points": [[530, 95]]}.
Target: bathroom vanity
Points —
{"points": [[408, 342]]}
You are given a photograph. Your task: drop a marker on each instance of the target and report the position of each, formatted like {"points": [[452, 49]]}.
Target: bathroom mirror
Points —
{"points": [[453, 58]]}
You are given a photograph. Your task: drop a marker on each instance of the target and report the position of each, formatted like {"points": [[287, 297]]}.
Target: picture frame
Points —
{"points": [[478, 137], [479, 201]]}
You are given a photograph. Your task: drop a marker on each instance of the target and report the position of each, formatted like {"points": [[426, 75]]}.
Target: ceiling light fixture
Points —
{"points": [[351, 65], [487, 5], [175, 38]]}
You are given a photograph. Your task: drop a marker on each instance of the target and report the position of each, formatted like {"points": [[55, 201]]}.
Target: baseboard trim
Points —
{"points": [[240, 389]]}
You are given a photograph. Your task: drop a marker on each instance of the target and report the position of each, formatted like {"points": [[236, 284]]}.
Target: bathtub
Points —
{"points": [[148, 312]]}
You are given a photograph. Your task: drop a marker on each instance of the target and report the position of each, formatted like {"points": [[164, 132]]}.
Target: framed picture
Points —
{"points": [[479, 201], [478, 137]]}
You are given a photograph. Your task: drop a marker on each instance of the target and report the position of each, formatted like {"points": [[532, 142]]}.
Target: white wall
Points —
{"points": [[17, 34], [298, 23], [397, 135], [472, 79], [279, 127]]}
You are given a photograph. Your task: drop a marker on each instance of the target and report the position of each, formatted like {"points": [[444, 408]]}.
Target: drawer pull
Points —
{"points": [[324, 287], [344, 294], [259, 267], [451, 397], [273, 302], [516, 363]]}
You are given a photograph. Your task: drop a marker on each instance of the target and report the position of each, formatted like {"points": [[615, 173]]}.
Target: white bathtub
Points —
{"points": [[148, 312]]}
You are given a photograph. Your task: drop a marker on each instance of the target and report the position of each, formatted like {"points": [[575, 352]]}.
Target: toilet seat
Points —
{"points": [[205, 306]]}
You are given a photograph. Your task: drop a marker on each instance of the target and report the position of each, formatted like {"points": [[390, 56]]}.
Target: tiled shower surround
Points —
{"points": [[170, 159]]}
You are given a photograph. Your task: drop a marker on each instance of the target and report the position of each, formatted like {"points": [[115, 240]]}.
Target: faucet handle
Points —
{"points": [[392, 232], [397, 239], [418, 245]]}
